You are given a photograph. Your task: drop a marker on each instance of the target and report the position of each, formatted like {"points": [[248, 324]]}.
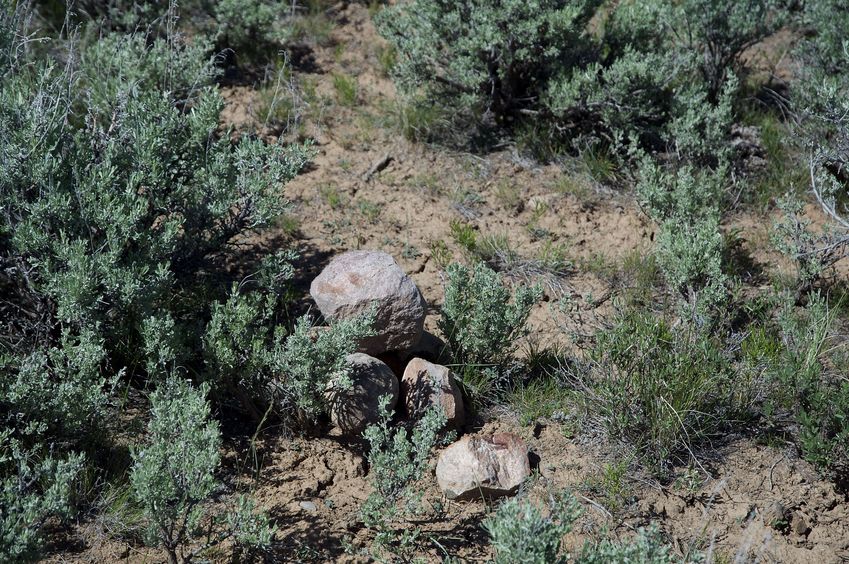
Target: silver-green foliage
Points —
{"points": [[716, 33], [173, 476], [119, 192], [251, 28], [33, 488], [646, 547], [825, 128], [825, 48], [481, 319], [492, 57], [520, 532], [249, 353], [173, 473], [310, 364], [57, 392], [813, 253], [397, 462], [629, 74], [686, 206]]}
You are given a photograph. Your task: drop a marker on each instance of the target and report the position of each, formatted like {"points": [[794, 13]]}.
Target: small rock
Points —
{"points": [[799, 524], [425, 384], [358, 282], [308, 506], [352, 410], [476, 466], [773, 515]]}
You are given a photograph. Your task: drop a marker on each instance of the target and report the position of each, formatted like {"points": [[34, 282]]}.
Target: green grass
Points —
{"points": [[538, 399], [346, 89], [331, 195], [663, 390], [508, 195], [417, 120], [466, 237], [370, 210], [611, 486], [313, 27], [440, 254], [599, 165], [784, 169], [386, 56]]}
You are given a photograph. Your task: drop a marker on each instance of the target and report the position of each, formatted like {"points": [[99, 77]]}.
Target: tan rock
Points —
{"points": [[425, 384], [360, 282], [483, 466]]}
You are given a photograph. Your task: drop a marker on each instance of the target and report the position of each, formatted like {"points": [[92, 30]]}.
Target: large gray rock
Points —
{"points": [[357, 281], [425, 384], [352, 410], [479, 466]]}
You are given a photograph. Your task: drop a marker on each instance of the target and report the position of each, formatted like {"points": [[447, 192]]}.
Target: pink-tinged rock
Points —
{"points": [[483, 466], [425, 385], [352, 410], [357, 282]]}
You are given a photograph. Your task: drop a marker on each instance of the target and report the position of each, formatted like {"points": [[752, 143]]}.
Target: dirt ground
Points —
{"points": [[313, 487]]}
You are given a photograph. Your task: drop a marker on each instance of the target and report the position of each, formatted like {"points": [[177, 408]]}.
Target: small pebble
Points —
{"points": [[308, 506]]}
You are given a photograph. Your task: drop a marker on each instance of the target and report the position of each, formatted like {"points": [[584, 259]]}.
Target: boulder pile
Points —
{"points": [[399, 360]]}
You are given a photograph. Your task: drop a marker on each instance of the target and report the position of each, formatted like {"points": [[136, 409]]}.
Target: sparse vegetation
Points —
{"points": [[660, 185], [398, 462], [173, 476]]}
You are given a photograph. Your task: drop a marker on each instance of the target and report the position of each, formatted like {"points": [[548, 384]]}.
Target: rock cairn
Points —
{"points": [[400, 360]]}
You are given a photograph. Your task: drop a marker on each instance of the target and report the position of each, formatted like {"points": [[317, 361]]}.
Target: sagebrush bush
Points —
{"points": [[824, 49], [490, 58], [629, 77], [173, 476], [121, 201], [139, 195], [398, 460], [690, 246], [250, 28], [716, 33], [824, 130], [312, 365], [173, 473], [519, 532], [812, 253], [481, 319], [34, 487]]}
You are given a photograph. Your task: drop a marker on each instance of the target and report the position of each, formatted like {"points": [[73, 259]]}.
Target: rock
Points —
{"points": [[475, 466], [773, 515], [356, 282], [425, 384], [352, 410], [308, 506], [429, 347], [799, 524]]}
